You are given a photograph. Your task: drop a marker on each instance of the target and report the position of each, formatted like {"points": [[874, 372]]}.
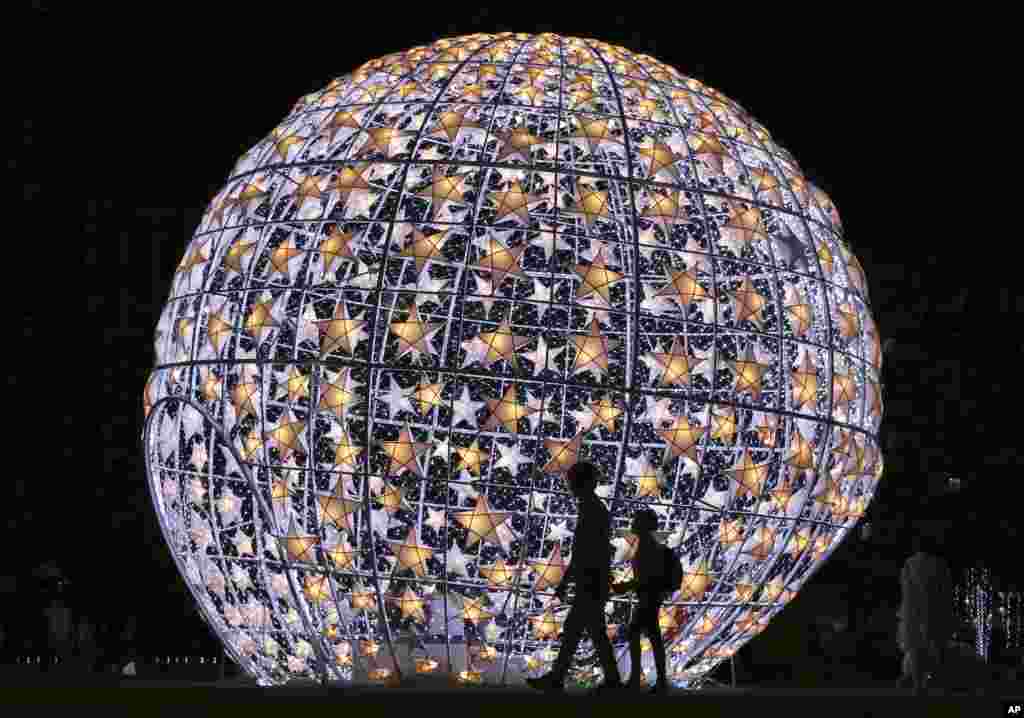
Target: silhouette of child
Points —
{"points": [[649, 584]]}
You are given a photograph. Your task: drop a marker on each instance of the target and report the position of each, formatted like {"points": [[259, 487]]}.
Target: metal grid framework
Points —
{"points": [[444, 279]]}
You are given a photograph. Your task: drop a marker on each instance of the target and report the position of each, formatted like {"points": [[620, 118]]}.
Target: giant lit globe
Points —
{"points": [[446, 278]]}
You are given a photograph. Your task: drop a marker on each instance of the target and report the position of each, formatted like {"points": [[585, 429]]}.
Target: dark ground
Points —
{"points": [[845, 696]]}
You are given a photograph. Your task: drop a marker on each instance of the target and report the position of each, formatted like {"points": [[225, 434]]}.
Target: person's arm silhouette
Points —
{"points": [[570, 572]]}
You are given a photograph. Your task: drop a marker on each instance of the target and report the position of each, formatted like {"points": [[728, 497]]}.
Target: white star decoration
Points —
{"points": [[464, 409], [558, 531], [396, 399], [511, 458]]}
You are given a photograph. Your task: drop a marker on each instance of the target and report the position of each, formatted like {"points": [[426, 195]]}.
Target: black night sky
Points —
{"points": [[136, 120]]}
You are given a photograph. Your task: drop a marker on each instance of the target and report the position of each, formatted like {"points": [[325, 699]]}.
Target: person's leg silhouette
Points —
{"points": [[597, 627]]}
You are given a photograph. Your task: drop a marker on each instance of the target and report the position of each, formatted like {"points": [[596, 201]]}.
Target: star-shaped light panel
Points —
{"points": [[447, 277]]}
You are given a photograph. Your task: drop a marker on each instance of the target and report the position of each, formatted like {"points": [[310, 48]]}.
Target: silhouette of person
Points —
{"points": [[649, 584], [926, 612], [590, 569]]}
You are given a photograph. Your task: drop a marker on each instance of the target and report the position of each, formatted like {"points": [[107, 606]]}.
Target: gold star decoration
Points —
{"points": [[564, 454], [218, 330], [749, 476], [281, 256], [517, 142], [423, 248], [298, 546], [363, 599], [501, 262], [191, 260], [825, 257], [849, 322], [411, 554], [604, 412], [767, 430], [749, 623], [473, 610], [748, 303], [337, 508], [648, 481], [392, 498], [596, 134], [499, 574], [296, 386], [682, 437], [545, 626], [798, 542], [251, 445], [506, 412], [666, 210], [683, 289], [749, 373], [308, 190], [443, 189], [677, 364], [414, 334], [766, 186], [782, 495], [707, 148], [658, 158], [237, 253], [337, 395], [427, 396], [481, 522], [844, 390], [341, 554], [704, 627], [514, 201], [762, 548], [592, 350], [337, 247], [450, 122], [805, 383], [592, 204], [410, 605], [260, 320], [471, 457], [404, 454], [549, 571], [696, 582], [502, 345], [340, 333], [386, 140], [316, 588], [340, 120], [596, 278], [287, 435], [742, 226], [875, 394], [822, 544], [723, 424], [286, 142]]}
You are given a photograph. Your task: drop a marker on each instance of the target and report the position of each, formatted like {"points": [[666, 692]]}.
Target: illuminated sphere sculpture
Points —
{"points": [[447, 277]]}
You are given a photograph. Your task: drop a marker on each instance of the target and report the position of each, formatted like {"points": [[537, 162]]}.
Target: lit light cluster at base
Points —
{"points": [[442, 281]]}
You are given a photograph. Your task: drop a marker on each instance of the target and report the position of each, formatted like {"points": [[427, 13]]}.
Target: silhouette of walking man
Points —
{"points": [[590, 569], [650, 583]]}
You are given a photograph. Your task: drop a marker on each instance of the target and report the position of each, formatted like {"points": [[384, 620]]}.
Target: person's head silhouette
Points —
{"points": [[645, 521], [582, 479]]}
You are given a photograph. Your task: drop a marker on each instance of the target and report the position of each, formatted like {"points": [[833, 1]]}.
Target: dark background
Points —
{"points": [[134, 119]]}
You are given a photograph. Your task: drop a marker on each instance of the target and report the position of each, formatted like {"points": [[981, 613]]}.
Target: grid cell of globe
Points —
{"points": [[443, 280]]}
